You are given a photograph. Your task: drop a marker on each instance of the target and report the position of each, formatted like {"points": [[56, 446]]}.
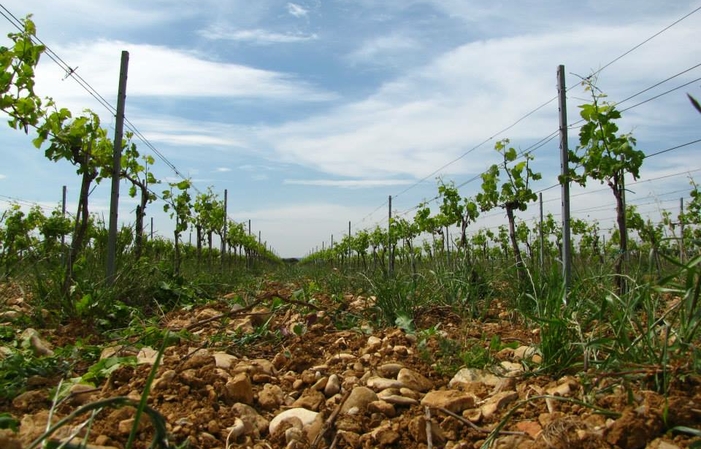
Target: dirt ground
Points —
{"points": [[334, 379]]}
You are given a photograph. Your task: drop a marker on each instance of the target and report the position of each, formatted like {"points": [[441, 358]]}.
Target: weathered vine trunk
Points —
{"points": [[176, 260], [139, 231], [514, 241], [198, 229], [209, 245], [140, 214], [82, 221], [615, 184], [413, 258]]}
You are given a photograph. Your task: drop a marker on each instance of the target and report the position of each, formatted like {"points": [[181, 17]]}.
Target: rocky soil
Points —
{"points": [[285, 373]]}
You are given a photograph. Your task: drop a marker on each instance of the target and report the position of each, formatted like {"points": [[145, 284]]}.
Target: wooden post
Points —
{"points": [[226, 222], [63, 212], [64, 251], [390, 247], [117, 169], [565, 184], [349, 244], [624, 237], [542, 235], [681, 229]]}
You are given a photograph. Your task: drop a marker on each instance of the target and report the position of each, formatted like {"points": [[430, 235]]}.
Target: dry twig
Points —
{"points": [[429, 435], [474, 426], [330, 421]]}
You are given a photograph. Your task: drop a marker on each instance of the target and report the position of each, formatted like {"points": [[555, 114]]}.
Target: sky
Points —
{"points": [[311, 113]]}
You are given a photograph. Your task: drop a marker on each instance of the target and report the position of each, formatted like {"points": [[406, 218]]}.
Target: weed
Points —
{"points": [[448, 355], [17, 367]]}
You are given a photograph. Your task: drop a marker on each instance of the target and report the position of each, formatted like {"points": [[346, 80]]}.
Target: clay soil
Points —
{"points": [[285, 350]]}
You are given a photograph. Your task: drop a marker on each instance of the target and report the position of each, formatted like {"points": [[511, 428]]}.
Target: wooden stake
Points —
{"points": [[117, 169], [565, 183]]}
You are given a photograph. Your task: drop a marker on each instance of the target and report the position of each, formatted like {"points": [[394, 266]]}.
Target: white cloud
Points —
{"points": [[2, 176], [191, 139], [156, 71], [103, 14], [352, 183], [222, 169], [252, 167], [428, 117], [120, 16], [384, 50], [255, 36], [185, 140], [247, 167], [296, 10]]}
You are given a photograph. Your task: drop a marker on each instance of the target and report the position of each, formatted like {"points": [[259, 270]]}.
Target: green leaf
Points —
{"points": [[84, 304], [405, 323], [7, 421], [105, 367]]}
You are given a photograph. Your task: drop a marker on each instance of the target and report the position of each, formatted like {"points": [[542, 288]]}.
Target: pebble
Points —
{"points": [[452, 400], [293, 434], [498, 402], [389, 370], [382, 383], [29, 399], [385, 435], [146, 356], [82, 394], [415, 381], [373, 344], [342, 357], [467, 376], [308, 377], [408, 392], [401, 350], [359, 397], [349, 382], [9, 315], [311, 400], [383, 407], [320, 384], [305, 416], [239, 389], [333, 386], [224, 360], [511, 369], [31, 339], [255, 366], [255, 422], [398, 400], [271, 397], [417, 429]]}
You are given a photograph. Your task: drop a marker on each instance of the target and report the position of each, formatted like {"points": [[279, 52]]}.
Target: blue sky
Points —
{"points": [[311, 113]]}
